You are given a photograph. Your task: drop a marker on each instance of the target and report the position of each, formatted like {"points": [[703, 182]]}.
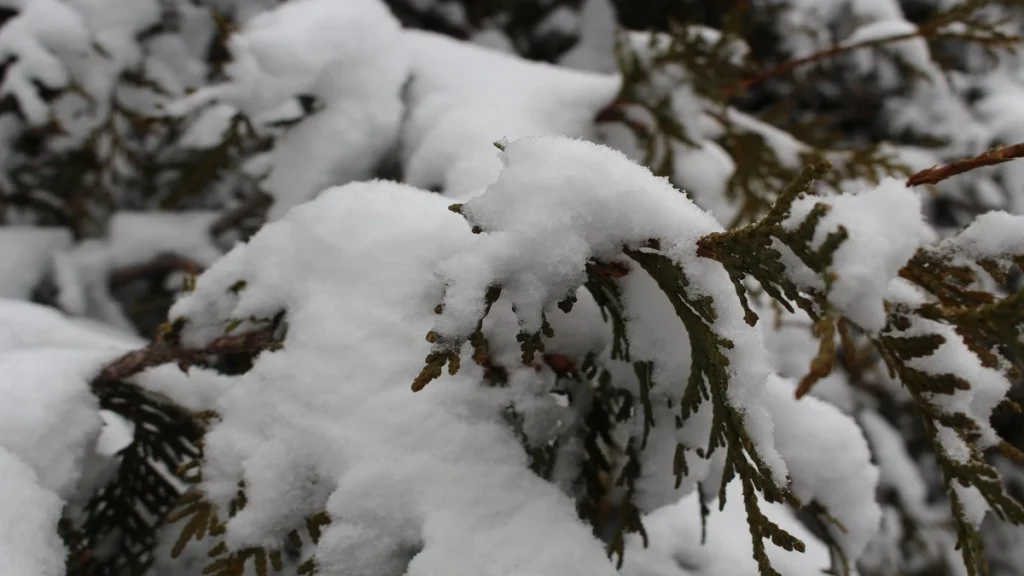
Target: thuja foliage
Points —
{"points": [[989, 325], [125, 515], [130, 159], [987, 322], [79, 189], [610, 470], [741, 66]]}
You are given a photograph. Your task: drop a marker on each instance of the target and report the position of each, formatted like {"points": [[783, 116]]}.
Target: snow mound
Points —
{"points": [[462, 98], [29, 544], [328, 422]]}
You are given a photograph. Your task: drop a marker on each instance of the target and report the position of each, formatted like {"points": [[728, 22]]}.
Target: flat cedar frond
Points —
{"points": [[987, 328], [776, 153], [608, 296], [708, 381], [989, 324], [976, 472], [986, 323], [203, 519], [131, 508], [708, 64], [749, 251]]}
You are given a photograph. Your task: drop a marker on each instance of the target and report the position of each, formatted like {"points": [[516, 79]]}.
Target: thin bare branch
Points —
{"points": [[937, 174]]}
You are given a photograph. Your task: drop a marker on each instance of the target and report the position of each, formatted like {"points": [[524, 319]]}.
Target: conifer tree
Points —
{"points": [[418, 287]]}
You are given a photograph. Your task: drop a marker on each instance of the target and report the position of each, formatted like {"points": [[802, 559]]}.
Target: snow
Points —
{"points": [[792, 346], [282, 53], [676, 550], [81, 272], [29, 544], [26, 255], [829, 462], [885, 228], [462, 98], [56, 446], [988, 386], [704, 173], [41, 28], [209, 128], [991, 236], [595, 49], [401, 470], [349, 55], [414, 482], [897, 469], [494, 39], [561, 21], [913, 51], [557, 203], [26, 325], [136, 237], [52, 424]]}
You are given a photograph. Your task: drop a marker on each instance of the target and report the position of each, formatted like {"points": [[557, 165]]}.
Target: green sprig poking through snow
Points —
{"points": [[553, 216]]}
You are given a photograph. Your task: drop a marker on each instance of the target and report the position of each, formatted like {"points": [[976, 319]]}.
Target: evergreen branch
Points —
{"points": [[709, 379], [749, 250], [130, 509], [829, 53], [936, 29], [162, 352]]}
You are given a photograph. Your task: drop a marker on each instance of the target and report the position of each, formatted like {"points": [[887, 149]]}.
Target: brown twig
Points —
{"points": [[838, 49], [162, 352], [609, 269], [161, 265], [937, 174], [930, 31]]}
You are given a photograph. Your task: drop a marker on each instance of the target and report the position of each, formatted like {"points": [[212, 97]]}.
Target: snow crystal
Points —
{"points": [[885, 228]]}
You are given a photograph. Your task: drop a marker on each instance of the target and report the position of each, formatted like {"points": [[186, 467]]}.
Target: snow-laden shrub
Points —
{"points": [[620, 316]]}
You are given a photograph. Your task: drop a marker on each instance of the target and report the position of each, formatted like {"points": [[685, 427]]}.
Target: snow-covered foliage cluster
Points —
{"points": [[421, 287]]}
